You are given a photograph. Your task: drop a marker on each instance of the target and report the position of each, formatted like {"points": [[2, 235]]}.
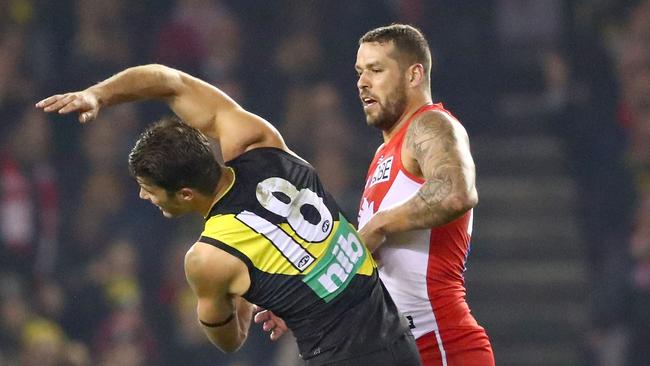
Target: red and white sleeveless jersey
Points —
{"points": [[422, 269]]}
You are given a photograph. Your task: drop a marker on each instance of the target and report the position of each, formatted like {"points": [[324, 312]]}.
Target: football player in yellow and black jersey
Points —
{"points": [[273, 236]]}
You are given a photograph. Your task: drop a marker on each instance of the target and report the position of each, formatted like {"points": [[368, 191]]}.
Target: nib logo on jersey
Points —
{"points": [[382, 172], [342, 259]]}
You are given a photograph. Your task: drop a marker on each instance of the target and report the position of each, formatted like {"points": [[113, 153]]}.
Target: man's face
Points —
{"points": [[381, 84], [169, 205]]}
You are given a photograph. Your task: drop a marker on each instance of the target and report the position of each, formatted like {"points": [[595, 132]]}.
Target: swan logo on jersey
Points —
{"points": [[382, 172], [366, 211]]}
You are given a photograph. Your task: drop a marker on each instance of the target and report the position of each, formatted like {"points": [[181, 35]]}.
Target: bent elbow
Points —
{"points": [[471, 199], [463, 202], [170, 78], [225, 342], [230, 347]]}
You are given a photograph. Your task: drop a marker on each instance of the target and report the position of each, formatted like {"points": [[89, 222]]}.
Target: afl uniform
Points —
{"points": [[306, 262], [423, 269]]}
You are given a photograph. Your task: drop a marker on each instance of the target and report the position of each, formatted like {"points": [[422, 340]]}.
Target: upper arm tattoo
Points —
{"points": [[434, 143]]}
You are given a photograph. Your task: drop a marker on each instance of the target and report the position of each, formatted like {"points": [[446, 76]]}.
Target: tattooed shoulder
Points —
{"points": [[430, 131]]}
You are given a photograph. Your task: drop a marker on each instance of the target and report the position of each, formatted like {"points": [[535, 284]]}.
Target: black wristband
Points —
{"points": [[218, 324]]}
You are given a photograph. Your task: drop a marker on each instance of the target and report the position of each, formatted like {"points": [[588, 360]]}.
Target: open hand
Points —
{"points": [[271, 323], [85, 102]]}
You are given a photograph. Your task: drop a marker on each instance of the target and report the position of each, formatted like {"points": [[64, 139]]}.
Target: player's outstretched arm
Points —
{"points": [[439, 148], [196, 102], [214, 276]]}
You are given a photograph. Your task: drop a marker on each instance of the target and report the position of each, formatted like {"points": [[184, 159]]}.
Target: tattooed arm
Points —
{"points": [[435, 148]]}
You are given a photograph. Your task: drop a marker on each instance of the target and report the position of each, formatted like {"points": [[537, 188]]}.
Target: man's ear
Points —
{"points": [[185, 194], [416, 74]]}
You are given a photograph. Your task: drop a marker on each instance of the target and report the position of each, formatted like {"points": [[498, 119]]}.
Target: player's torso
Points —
{"points": [[305, 260], [422, 269]]}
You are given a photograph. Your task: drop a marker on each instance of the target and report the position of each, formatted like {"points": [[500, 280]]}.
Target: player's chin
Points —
{"points": [[373, 120], [168, 214], [173, 214]]}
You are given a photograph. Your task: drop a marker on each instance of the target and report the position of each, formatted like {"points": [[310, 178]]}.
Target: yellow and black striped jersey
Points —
{"points": [[305, 260]]}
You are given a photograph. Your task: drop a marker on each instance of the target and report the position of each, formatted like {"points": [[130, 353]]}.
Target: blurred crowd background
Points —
{"points": [[91, 275]]}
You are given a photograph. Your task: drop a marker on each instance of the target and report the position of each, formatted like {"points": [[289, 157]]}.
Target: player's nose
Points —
{"points": [[363, 82]]}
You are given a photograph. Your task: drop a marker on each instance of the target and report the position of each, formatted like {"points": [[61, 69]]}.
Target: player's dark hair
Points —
{"points": [[173, 155], [409, 42]]}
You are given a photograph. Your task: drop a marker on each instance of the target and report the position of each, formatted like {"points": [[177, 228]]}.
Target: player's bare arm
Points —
{"points": [[440, 148], [437, 149], [196, 102], [218, 280]]}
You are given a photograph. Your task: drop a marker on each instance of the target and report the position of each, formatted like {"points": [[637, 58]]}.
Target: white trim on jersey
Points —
{"points": [[443, 354], [289, 248]]}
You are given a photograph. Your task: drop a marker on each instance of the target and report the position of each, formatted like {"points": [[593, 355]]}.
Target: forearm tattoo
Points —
{"points": [[433, 192]]}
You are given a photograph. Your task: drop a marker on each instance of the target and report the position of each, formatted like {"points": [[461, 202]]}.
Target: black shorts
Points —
{"points": [[402, 352]]}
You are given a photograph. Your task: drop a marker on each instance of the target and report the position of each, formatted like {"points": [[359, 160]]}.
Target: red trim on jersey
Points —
{"points": [[471, 348], [448, 248]]}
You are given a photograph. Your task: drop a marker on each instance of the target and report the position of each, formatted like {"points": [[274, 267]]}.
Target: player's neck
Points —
{"points": [[414, 103], [223, 186]]}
